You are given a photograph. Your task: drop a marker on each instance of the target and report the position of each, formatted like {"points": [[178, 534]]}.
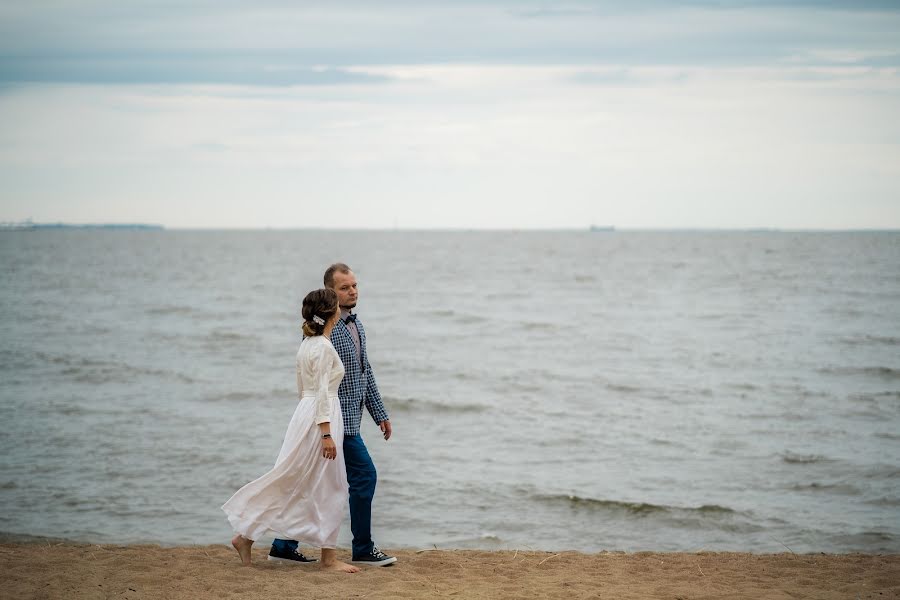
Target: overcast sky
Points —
{"points": [[460, 114]]}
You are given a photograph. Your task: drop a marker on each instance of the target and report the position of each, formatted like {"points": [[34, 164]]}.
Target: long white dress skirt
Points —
{"points": [[304, 496]]}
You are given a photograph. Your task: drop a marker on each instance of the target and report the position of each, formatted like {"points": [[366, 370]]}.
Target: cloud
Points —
{"points": [[276, 43], [462, 146], [630, 76], [223, 68], [837, 55], [458, 114]]}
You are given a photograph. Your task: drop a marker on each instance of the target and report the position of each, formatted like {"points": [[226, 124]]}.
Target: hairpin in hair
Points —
{"points": [[318, 319]]}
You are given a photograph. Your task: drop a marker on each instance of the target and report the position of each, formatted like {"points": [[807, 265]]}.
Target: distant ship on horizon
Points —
{"points": [[602, 228]]}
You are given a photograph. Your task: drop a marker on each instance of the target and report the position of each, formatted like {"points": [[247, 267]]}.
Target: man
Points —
{"points": [[357, 389]]}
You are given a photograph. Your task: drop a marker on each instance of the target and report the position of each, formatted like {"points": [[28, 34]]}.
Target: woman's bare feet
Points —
{"points": [[242, 545], [330, 563], [337, 565]]}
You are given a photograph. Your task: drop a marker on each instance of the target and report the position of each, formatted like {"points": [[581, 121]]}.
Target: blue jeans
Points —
{"points": [[361, 478]]}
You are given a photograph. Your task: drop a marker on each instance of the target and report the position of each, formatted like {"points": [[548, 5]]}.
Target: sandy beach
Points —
{"points": [[66, 570]]}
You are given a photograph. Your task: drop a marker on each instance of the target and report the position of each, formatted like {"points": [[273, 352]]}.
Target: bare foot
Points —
{"points": [[242, 545], [339, 566]]}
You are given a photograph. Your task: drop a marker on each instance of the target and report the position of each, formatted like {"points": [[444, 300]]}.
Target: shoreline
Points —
{"points": [[45, 569]]}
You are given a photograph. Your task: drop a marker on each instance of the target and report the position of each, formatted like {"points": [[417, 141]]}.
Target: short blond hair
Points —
{"points": [[328, 279]]}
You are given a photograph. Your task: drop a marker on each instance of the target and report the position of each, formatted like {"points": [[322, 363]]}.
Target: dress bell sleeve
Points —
{"points": [[322, 365], [299, 375]]}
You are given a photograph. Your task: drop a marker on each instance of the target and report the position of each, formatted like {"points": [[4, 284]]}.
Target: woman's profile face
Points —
{"points": [[336, 316]]}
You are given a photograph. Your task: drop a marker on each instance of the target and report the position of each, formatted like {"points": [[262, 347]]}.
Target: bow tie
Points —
{"points": [[350, 319]]}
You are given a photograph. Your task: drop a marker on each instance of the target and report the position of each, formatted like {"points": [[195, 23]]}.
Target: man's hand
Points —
{"points": [[386, 428]]}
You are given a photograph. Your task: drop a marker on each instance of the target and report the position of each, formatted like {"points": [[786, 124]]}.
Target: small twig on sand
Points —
{"points": [[516, 554], [701, 571], [546, 559], [783, 544]]}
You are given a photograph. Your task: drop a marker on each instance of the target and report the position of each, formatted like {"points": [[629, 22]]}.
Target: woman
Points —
{"points": [[304, 496]]}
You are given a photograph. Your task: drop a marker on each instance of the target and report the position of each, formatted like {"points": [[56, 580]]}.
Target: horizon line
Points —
{"points": [[32, 225]]}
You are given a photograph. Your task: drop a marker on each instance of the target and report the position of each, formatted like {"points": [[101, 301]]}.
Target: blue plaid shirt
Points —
{"points": [[358, 388]]}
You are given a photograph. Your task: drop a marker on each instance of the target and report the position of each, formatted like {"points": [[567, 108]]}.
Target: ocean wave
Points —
{"points": [[881, 471], [408, 405], [244, 396], [867, 340], [796, 416], [463, 318], [477, 540], [871, 541], [235, 396], [634, 508], [662, 442], [884, 501], [624, 389], [803, 459], [120, 372], [526, 378], [157, 311], [13, 362], [835, 488], [219, 336], [73, 410], [68, 360], [875, 397], [464, 376], [87, 370], [745, 387], [878, 371], [12, 537], [197, 313], [714, 316], [539, 326]]}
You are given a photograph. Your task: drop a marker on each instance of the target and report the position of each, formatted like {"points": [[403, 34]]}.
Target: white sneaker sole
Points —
{"points": [[380, 563], [288, 560]]}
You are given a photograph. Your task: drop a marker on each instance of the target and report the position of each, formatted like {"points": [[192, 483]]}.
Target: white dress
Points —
{"points": [[304, 496]]}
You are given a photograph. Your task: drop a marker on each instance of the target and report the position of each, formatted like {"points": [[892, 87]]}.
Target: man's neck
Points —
{"points": [[345, 312]]}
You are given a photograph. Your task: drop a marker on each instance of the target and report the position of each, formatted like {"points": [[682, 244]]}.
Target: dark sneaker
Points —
{"points": [[375, 558], [294, 556]]}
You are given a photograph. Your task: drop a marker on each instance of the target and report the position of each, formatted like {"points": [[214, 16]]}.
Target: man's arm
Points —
{"points": [[374, 404]]}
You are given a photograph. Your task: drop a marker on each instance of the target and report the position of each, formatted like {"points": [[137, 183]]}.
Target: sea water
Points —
{"points": [[549, 390]]}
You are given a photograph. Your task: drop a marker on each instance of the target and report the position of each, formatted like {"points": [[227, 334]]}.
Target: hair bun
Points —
{"points": [[319, 307]]}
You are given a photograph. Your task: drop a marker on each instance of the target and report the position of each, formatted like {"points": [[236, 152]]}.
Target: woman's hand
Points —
{"points": [[329, 450]]}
